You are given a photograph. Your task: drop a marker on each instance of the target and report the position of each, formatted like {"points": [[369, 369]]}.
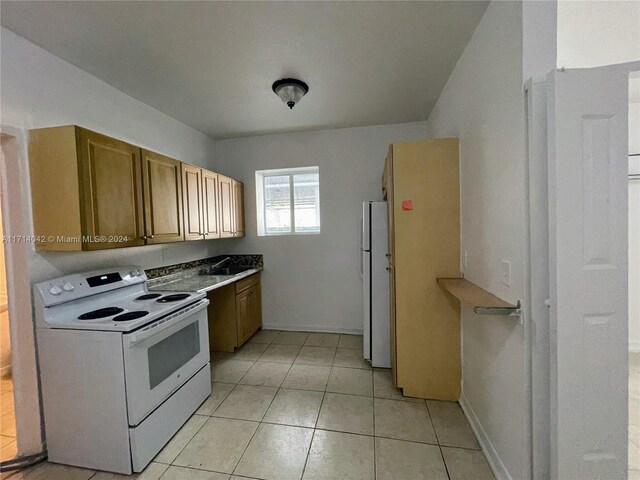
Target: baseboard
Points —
{"points": [[634, 346], [499, 470], [312, 328]]}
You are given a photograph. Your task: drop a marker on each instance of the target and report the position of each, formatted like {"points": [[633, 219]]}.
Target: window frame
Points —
{"points": [[261, 210]]}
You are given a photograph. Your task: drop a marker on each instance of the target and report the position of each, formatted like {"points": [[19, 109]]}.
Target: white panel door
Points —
{"points": [[587, 141]]}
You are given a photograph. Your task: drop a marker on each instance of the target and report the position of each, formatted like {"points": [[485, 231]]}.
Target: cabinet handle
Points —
{"points": [[150, 236], [143, 237], [205, 234]]}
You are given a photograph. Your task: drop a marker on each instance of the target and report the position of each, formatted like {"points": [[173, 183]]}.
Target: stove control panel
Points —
{"points": [[55, 290], [80, 285]]}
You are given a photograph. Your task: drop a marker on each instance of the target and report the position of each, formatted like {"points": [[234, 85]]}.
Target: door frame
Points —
{"points": [[537, 276], [16, 222], [540, 332]]}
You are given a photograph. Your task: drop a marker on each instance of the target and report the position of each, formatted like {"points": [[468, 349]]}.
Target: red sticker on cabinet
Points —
{"points": [[407, 205]]}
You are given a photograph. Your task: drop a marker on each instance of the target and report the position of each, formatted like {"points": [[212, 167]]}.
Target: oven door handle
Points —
{"points": [[161, 325]]}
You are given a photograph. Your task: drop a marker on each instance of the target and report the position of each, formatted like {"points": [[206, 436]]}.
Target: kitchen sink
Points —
{"points": [[224, 271]]}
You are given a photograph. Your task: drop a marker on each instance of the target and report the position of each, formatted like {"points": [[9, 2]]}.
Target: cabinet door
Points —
{"points": [[244, 307], [111, 192], [162, 186], [238, 209], [192, 202], [248, 313], [210, 213], [256, 310], [226, 206]]}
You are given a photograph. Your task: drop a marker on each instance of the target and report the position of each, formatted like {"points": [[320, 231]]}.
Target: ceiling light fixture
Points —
{"points": [[290, 90]]}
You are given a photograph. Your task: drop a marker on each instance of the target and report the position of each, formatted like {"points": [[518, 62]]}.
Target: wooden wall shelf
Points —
{"points": [[471, 295]]}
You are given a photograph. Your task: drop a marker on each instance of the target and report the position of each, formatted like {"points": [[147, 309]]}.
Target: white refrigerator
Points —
{"points": [[375, 284]]}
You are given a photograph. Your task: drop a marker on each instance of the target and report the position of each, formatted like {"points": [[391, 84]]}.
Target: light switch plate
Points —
{"points": [[506, 272], [464, 259]]}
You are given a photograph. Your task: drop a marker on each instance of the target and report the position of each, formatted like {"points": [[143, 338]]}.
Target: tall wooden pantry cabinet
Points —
{"points": [[421, 185]]}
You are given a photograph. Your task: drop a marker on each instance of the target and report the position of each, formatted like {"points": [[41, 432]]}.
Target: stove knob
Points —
{"points": [[67, 287], [55, 290]]}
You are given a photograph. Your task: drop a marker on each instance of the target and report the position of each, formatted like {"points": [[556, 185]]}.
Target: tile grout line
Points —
{"points": [[313, 436], [188, 442], [375, 444], [190, 468], [444, 462], [258, 427], [306, 460], [435, 432], [245, 450], [208, 418]]}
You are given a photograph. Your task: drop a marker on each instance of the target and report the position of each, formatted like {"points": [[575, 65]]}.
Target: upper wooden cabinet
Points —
{"points": [[210, 201], [92, 192], [86, 190], [192, 202], [226, 207], [238, 209], [201, 200], [162, 187], [231, 207]]}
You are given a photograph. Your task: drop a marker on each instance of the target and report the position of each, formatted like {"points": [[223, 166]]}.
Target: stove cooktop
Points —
{"points": [[121, 310], [100, 313], [148, 296], [173, 297], [127, 317]]}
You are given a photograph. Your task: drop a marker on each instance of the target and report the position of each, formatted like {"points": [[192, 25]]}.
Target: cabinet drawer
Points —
{"points": [[242, 285]]}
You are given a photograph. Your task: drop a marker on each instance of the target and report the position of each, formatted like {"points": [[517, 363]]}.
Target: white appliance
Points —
{"points": [[375, 284], [121, 368]]}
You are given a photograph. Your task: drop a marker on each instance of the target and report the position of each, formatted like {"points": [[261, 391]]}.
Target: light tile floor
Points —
{"points": [[294, 405], [359, 427], [634, 416], [7, 420]]}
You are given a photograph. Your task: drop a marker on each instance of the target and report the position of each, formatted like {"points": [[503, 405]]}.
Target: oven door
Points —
{"points": [[161, 357]]}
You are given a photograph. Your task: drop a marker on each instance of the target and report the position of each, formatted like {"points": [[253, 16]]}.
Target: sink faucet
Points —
{"points": [[219, 263]]}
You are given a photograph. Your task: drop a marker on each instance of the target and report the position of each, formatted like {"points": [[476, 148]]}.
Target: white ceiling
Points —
{"points": [[211, 64]]}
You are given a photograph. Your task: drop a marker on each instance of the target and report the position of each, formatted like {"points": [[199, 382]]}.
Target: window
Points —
{"points": [[288, 201]]}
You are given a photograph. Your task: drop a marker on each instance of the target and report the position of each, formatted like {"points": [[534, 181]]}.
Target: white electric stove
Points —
{"points": [[121, 368]]}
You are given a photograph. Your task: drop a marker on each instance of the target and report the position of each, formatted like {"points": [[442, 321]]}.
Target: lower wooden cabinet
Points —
{"points": [[235, 314]]}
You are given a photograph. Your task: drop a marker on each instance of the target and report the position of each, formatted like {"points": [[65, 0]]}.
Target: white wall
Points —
{"points": [[483, 104], [634, 230], [41, 90], [596, 32], [312, 281]]}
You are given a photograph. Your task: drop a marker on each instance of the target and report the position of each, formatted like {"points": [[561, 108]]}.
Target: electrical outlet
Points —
{"points": [[464, 260], [506, 272]]}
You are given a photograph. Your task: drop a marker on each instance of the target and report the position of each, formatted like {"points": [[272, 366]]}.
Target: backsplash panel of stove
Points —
{"points": [[234, 261]]}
